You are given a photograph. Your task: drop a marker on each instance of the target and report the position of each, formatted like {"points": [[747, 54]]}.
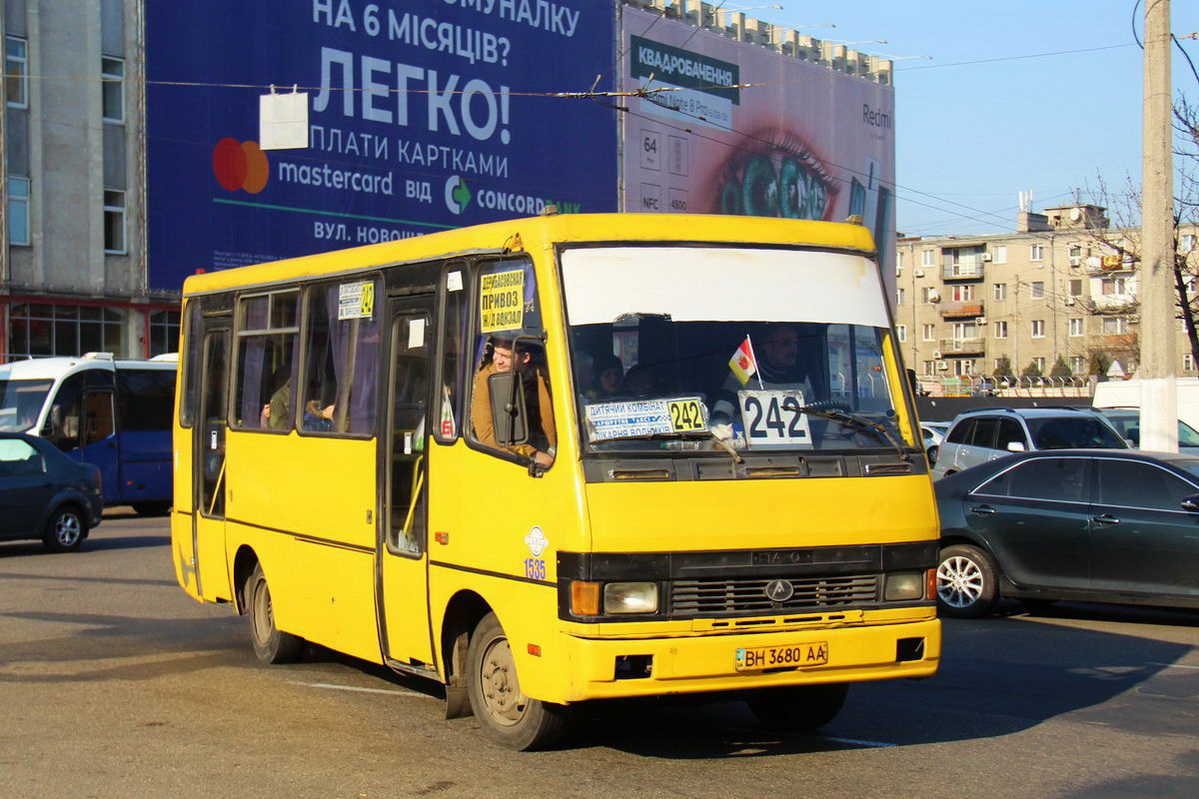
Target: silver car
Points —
{"points": [[985, 434]]}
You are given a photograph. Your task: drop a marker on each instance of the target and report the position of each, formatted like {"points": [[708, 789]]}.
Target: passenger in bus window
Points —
{"points": [[499, 357], [276, 414]]}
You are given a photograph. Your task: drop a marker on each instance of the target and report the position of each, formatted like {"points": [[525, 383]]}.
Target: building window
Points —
{"points": [[18, 211], [113, 77], [899, 296], [1001, 330], [16, 71], [999, 254], [164, 332], [1036, 252], [1186, 242], [930, 368], [1077, 327], [928, 258], [965, 331], [1115, 326], [925, 294], [1075, 288], [1078, 364], [1188, 363], [1113, 285], [64, 330], [902, 332], [927, 332], [1038, 328], [1036, 290], [963, 293], [899, 262], [1040, 362], [1000, 291], [114, 221], [1075, 251], [963, 367]]}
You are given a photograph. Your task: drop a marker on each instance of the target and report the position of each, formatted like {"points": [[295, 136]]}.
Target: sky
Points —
{"points": [[971, 136]]}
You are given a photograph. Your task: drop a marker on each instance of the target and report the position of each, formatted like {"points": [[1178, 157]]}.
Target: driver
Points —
{"points": [[777, 353], [499, 357]]}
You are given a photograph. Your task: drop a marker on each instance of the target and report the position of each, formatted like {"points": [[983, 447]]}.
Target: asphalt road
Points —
{"points": [[114, 683]]}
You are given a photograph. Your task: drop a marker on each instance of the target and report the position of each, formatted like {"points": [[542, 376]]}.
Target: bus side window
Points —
{"points": [[190, 371], [508, 318], [342, 353], [266, 361], [62, 423], [145, 397], [453, 338], [98, 422]]}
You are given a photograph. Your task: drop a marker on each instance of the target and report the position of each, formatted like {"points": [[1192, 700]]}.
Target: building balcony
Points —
{"points": [[962, 271], [1109, 264], [962, 346], [961, 310], [1113, 303]]}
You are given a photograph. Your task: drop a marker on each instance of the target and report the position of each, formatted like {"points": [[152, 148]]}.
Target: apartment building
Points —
{"points": [[1059, 287]]}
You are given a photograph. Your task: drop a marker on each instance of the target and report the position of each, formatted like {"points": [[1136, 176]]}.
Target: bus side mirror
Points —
{"points": [[508, 414]]}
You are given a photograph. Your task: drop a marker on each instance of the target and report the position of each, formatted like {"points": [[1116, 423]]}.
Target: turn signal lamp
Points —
{"points": [[584, 598]]}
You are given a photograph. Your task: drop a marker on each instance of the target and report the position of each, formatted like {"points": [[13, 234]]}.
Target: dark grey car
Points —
{"points": [[1098, 525], [46, 495]]}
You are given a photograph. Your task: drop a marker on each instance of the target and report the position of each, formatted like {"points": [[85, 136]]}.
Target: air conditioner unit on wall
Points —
{"points": [[943, 366], [919, 273], [936, 355], [980, 320], [986, 256], [1075, 260]]}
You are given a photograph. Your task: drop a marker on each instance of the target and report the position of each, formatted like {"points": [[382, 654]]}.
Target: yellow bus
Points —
{"points": [[565, 458]]}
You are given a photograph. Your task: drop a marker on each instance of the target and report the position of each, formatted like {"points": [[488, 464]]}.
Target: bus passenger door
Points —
{"points": [[208, 468], [403, 474], [99, 443]]}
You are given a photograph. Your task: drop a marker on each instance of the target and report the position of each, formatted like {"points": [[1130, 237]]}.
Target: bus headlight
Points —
{"points": [[904, 586], [631, 598]]}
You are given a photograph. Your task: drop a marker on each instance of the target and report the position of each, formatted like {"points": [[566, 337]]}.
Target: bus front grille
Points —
{"points": [[715, 597]]}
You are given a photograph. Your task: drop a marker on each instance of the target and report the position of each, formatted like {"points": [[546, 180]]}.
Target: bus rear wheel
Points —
{"points": [[271, 644], [799, 708], [507, 716]]}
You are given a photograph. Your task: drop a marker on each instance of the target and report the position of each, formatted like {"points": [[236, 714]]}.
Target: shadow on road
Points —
{"points": [[14, 549]]}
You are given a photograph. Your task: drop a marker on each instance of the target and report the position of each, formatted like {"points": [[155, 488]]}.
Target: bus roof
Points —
{"points": [[540, 232], [54, 368]]}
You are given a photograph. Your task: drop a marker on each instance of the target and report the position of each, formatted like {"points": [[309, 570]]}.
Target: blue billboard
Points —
{"points": [[423, 116]]}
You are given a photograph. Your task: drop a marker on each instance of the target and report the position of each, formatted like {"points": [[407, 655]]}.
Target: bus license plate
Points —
{"points": [[790, 656]]}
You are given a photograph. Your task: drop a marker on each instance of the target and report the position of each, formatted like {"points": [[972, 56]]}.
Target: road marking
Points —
{"points": [[857, 742], [356, 689], [1173, 666]]}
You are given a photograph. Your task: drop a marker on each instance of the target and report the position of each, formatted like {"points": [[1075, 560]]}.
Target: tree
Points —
{"points": [[1100, 362], [1003, 369], [1122, 240], [1032, 370], [1061, 368]]}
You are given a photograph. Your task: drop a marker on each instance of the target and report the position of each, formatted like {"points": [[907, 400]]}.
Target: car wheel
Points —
{"points": [[966, 585], [271, 644], [65, 530], [932, 454], [799, 708], [507, 716]]}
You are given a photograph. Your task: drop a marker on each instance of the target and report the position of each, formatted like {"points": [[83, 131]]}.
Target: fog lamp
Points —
{"points": [[631, 598], [909, 585]]}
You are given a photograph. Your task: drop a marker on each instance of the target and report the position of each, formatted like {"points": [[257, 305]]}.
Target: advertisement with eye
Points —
{"points": [[729, 127]]}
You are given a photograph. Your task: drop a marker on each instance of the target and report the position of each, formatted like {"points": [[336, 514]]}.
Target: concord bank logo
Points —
{"points": [[457, 194], [240, 165]]}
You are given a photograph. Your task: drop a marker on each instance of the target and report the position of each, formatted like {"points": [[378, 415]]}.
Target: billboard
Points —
{"points": [[423, 117], [731, 128]]}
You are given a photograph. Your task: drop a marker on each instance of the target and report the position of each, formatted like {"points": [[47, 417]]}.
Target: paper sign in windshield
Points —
{"points": [[774, 420], [356, 300], [502, 301], [640, 418]]}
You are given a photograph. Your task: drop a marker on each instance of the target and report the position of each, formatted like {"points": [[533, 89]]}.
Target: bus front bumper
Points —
{"points": [[611, 668]]}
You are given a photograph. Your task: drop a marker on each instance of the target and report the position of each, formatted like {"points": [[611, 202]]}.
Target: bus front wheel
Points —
{"points": [[800, 708], [271, 644], [508, 717]]}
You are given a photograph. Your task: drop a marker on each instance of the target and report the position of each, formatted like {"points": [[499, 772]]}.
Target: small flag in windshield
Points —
{"points": [[743, 363]]}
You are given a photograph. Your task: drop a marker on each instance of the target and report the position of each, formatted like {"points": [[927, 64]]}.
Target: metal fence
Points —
{"points": [[978, 386]]}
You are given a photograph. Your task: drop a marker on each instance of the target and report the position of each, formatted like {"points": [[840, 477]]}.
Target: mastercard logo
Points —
{"points": [[240, 165]]}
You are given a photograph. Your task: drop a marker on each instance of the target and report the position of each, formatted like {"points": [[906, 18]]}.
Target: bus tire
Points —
{"points": [[65, 530], [507, 716], [271, 644], [798, 708]]}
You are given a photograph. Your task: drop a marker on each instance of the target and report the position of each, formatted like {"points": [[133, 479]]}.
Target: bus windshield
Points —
{"points": [[21, 402], [765, 349]]}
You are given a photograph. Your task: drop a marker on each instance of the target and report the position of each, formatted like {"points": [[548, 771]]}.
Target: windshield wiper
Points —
{"points": [[860, 422]]}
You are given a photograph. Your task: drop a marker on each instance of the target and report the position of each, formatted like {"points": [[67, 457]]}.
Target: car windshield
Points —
{"points": [[1074, 432], [21, 402], [765, 349]]}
